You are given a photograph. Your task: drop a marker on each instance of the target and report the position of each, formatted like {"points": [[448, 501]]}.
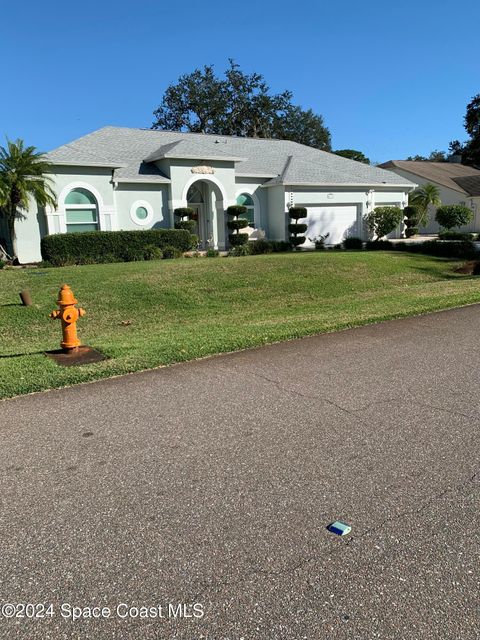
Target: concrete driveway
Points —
{"points": [[211, 484]]}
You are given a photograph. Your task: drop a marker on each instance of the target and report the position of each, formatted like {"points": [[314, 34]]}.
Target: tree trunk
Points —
{"points": [[12, 239]]}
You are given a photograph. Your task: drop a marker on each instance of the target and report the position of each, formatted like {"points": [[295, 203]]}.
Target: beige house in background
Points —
{"points": [[457, 184]]}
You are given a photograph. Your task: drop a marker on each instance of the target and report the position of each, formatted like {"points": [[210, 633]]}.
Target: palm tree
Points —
{"points": [[22, 176], [422, 197]]}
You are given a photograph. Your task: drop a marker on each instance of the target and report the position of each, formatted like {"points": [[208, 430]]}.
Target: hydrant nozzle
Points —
{"points": [[68, 314]]}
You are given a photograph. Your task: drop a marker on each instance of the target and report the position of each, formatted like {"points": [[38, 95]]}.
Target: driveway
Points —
{"points": [[210, 484]]}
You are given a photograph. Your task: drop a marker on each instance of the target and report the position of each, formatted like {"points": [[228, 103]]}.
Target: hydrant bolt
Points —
{"points": [[68, 314]]}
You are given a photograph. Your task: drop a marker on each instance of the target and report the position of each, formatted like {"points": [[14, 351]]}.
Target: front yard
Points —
{"points": [[146, 314]]}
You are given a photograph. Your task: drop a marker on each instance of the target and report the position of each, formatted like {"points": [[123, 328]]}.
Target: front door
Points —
{"points": [[199, 218]]}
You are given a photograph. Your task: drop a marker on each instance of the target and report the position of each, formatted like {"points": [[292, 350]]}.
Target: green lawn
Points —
{"points": [[184, 309]]}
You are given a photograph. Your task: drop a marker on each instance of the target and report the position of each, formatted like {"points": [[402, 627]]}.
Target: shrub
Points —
{"points": [[319, 242], [411, 213], [151, 252], [212, 253], [297, 212], [170, 252], [2, 264], [383, 220], [71, 248], [237, 239], [184, 212], [130, 254], [188, 225], [296, 241], [237, 210], [353, 244], [280, 246], [456, 235], [237, 224], [239, 251], [441, 248], [411, 231], [453, 215], [297, 228], [378, 245], [260, 246]]}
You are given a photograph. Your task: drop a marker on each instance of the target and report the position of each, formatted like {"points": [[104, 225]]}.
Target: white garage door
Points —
{"points": [[340, 221]]}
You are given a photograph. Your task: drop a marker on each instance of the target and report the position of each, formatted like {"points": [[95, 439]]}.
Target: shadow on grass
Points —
{"points": [[20, 355]]}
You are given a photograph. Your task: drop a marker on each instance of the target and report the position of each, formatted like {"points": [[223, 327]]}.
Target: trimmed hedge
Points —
{"points": [[353, 244], [112, 246]]}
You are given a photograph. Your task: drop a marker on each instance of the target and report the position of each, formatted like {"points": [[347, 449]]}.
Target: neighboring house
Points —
{"points": [[457, 184], [118, 178]]}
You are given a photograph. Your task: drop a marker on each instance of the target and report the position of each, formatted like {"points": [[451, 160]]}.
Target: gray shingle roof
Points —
{"points": [[448, 174], [283, 161]]}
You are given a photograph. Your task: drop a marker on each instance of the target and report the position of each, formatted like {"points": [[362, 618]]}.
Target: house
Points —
{"points": [[457, 184], [120, 178]]}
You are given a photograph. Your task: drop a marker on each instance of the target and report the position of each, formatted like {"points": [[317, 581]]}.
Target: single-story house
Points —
{"points": [[457, 184], [120, 178]]}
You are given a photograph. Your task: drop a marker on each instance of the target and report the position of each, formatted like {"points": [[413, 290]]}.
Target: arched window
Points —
{"points": [[194, 195], [246, 200], [81, 211]]}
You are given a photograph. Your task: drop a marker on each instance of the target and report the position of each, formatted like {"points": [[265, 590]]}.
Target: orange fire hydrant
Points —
{"points": [[69, 315]]}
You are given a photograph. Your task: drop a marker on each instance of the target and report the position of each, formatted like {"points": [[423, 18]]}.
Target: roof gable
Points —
{"points": [[452, 175]]}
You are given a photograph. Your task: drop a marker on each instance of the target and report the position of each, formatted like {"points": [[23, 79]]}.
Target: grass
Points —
{"points": [[185, 309]]}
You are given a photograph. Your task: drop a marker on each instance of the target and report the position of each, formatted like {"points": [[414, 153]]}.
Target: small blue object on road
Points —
{"points": [[339, 528]]}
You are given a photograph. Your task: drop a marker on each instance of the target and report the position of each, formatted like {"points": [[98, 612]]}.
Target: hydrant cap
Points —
{"points": [[65, 296]]}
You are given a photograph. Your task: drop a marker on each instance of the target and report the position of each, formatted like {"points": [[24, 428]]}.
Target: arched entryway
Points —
{"points": [[206, 196]]}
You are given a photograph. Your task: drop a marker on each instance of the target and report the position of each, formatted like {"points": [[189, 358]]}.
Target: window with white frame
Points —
{"points": [[246, 200], [81, 211]]}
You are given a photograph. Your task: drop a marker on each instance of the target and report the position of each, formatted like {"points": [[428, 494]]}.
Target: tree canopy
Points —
{"points": [[353, 154], [238, 104]]}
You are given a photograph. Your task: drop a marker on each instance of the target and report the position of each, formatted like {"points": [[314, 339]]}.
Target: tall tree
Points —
{"points": [[471, 151], [422, 197], [353, 154], [238, 104], [22, 176]]}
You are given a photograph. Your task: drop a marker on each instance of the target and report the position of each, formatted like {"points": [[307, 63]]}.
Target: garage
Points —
{"points": [[340, 221]]}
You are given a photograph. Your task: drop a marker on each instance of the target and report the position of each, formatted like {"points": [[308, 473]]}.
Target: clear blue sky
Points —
{"points": [[390, 78]]}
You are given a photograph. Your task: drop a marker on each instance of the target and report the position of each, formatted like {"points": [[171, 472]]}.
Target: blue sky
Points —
{"points": [[390, 78]]}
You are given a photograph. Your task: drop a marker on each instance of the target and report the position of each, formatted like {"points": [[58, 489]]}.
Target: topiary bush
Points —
{"points": [[184, 213], [73, 248], [353, 244], [235, 211], [383, 220], [297, 228], [296, 241], [412, 216], [212, 253], [188, 225], [237, 239], [237, 224], [453, 215]]}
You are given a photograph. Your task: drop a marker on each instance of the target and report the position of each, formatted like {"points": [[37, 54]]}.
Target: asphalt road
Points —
{"points": [[212, 482]]}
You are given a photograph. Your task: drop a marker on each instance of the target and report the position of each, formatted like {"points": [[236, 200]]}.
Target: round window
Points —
{"points": [[141, 213]]}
